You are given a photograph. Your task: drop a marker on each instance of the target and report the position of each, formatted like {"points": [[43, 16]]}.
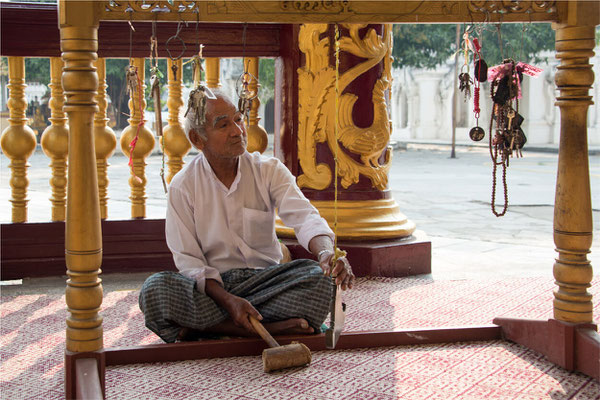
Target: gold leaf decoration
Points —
{"points": [[317, 110]]}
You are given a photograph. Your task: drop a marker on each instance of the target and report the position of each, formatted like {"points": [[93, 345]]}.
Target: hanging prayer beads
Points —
{"points": [[509, 138]]}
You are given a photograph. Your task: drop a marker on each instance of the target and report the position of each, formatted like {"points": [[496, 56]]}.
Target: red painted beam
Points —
{"points": [[87, 385], [254, 346], [79, 375], [587, 352], [38, 249], [380, 257], [31, 30], [571, 346], [138, 245]]}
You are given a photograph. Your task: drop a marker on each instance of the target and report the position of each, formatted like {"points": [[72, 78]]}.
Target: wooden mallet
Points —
{"points": [[279, 357]]}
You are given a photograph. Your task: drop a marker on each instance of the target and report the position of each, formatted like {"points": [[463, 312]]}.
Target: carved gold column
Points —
{"points": [[18, 140], [175, 142], [213, 70], [83, 236], [365, 207], [55, 141], [573, 208], [257, 136], [143, 148], [104, 138]]}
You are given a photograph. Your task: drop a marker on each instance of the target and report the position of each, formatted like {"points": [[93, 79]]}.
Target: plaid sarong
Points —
{"points": [[297, 289]]}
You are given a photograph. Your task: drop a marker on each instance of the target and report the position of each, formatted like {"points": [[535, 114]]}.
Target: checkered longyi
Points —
{"points": [[297, 289]]}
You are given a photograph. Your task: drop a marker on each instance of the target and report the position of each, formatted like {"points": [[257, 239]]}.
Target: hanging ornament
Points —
{"points": [[155, 76], [134, 85], [480, 69], [201, 92], [183, 48], [246, 96], [464, 78]]}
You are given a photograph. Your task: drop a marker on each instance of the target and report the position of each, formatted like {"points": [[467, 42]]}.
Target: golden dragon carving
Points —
{"points": [[316, 113]]}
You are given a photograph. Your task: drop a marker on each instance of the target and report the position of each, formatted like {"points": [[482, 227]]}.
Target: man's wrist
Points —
{"points": [[320, 254]]}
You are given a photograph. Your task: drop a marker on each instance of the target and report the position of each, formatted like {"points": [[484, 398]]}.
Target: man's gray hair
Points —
{"points": [[189, 121]]}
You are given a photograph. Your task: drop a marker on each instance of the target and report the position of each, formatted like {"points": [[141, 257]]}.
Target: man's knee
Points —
{"points": [[157, 281], [319, 281], [155, 288]]}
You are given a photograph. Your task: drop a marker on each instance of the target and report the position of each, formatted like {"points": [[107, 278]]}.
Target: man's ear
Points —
{"points": [[196, 140]]}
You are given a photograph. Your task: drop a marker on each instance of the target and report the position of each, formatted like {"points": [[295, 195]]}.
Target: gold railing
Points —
{"points": [[19, 141]]}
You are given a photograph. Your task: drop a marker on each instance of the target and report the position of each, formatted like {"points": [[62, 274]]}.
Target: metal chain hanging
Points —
{"points": [[245, 95], [201, 92], [134, 86], [155, 76]]}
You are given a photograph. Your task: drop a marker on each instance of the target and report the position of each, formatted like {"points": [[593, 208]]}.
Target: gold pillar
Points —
{"points": [[257, 136], [55, 141], [143, 148], [365, 206], [176, 144], [572, 207], [213, 70], [18, 140], [104, 138], [83, 236]]}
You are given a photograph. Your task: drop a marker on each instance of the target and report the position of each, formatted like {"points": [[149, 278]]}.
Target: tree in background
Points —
{"points": [[430, 45]]}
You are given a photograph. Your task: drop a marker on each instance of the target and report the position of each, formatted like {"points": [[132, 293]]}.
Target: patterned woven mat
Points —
{"points": [[33, 336]]}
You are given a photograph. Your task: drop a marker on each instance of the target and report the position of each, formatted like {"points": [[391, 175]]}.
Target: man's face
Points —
{"points": [[225, 131]]}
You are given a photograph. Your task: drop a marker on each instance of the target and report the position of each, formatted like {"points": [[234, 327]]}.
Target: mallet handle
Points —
{"points": [[263, 332]]}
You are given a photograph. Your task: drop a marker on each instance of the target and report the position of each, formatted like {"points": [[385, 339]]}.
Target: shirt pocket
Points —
{"points": [[258, 228]]}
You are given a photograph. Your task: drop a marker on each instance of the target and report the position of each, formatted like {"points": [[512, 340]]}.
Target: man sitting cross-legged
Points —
{"points": [[220, 227]]}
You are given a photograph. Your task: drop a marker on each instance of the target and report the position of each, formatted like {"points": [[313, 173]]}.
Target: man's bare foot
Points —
{"points": [[290, 326]]}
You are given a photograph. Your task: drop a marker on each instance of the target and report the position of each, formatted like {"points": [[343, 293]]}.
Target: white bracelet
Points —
{"points": [[321, 253]]}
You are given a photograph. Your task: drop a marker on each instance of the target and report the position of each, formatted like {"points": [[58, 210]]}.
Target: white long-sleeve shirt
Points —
{"points": [[211, 229]]}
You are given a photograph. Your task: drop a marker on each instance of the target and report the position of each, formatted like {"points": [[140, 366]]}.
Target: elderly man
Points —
{"points": [[220, 227]]}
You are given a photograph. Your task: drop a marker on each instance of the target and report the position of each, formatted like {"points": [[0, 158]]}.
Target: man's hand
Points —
{"points": [[342, 271], [240, 310]]}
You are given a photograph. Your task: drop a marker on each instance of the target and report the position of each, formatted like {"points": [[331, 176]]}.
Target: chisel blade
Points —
{"points": [[338, 317]]}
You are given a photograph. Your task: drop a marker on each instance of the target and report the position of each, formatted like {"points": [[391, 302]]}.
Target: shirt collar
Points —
{"points": [[216, 180]]}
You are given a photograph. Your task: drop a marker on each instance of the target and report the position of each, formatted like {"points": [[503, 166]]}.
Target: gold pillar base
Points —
{"points": [[361, 220]]}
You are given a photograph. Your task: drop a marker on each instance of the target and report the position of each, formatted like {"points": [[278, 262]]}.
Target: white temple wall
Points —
{"points": [[421, 102]]}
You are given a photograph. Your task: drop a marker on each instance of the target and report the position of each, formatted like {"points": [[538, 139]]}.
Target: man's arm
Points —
{"points": [[312, 231]]}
